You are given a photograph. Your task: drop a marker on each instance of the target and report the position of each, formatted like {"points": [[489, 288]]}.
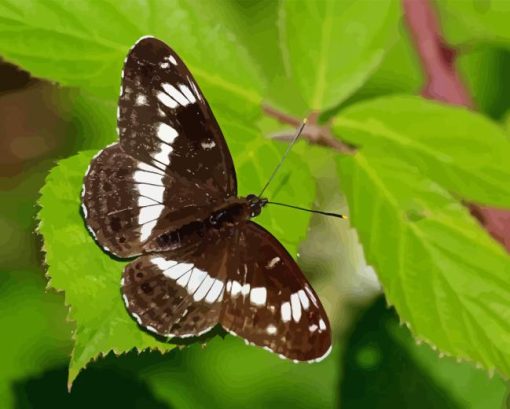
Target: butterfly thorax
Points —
{"points": [[219, 219]]}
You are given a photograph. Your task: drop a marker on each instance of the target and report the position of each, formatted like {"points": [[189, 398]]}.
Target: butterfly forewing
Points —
{"points": [[164, 119], [270, 303], [172, 164]]}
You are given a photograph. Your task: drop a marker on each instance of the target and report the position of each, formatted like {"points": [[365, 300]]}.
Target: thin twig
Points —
{"points": [[313, 132], [281, 116]]}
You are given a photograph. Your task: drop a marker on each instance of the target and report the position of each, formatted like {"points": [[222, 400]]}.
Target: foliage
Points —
{"points": [[37, 336], [416, 162]]}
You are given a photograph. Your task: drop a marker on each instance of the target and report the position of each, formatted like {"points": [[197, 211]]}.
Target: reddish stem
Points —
{"points": [[443, 83]]}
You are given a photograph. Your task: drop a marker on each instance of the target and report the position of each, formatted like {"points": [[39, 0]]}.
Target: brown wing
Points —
{"points": [[127, 202], [164, 119], [178, 295], [269, 302], [172, 163]]}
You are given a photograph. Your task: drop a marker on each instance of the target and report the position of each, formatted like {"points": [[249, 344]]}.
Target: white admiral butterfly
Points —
{"points": [[167, 193]]}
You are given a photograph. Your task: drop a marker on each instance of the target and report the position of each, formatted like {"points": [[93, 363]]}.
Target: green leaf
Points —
{"points": [[85, 43], [35, 334], [227, 369], [472, 21], [462, 151], [399, 72], [480, 67], [447, 278], [385, 368], [332, 47], [91, 279]]}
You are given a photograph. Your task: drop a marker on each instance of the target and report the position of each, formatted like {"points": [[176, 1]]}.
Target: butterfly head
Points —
{"points": [[255, 204]]}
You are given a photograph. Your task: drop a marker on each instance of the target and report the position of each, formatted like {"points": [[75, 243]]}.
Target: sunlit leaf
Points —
{"points": [[85, 43], [331, 47], [36, 336], [444, 274], [462, 151]]}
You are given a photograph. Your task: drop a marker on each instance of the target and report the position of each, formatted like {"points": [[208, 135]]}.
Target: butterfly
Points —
{"points": [[166, 193]]}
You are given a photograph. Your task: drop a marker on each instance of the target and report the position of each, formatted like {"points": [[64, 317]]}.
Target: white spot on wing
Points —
{"points": [[286, 311], [322, 325], [313, 328], [187, 93], [141, 100], [214, 292], [163, 156], [245, 289], [152, 329], [142, 176], [172, 60], [162, 263], [323, 356], [196, 279], [204, 288], [236, 288], [175, 94], [149, 168], [208, 145], [311, 296], [178, 270], [145, 201], [305, 302], [271, 330], [258, 296], [165, 99], [273, 262], [154, 192], [147, 230], [166, 133], [183, 281], [195, 89], [296, 307], [164, 65]]}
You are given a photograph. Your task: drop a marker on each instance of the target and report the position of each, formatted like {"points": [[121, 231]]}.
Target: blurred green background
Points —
{"points": [[375, 361]]}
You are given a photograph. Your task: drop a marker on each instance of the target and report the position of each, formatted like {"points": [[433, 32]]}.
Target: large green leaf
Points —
{"points": [[385, 368], [85, 43], [447, 278], [90, 278], [462, 151], [35, 336], [472, 21], [331, 47]]}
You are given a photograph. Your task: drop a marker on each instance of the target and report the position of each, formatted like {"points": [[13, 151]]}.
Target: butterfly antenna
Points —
{"points": [[291, 144], [338, 215]]}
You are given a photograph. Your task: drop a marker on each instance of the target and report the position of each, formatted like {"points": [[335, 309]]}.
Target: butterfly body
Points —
{"points": [[220, 218], [166, 194]]}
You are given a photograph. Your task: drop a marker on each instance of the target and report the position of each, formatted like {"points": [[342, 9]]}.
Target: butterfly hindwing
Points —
{"points": [[269, 302], [174, 294], [164, 119]]}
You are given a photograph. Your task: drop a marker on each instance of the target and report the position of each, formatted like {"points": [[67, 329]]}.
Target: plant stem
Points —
{"points": [[314, 133], [445, 84]]}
